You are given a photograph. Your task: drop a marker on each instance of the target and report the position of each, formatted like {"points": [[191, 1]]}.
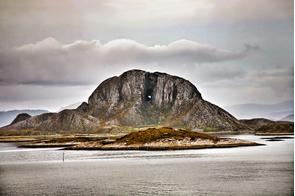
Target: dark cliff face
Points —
{"points": [[139, 98], [141, 86]]}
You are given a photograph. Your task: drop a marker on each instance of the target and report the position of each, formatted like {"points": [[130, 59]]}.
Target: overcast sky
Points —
{"points": [[54, 53]]}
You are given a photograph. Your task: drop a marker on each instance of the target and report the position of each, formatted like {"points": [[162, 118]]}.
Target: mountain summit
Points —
{"points": [[138, 98]]}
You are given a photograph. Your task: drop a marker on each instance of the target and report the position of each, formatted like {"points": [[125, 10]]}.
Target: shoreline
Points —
{"points": [[168, 144], [272, 134], [111, 142], [151, 147], [156, 148]]}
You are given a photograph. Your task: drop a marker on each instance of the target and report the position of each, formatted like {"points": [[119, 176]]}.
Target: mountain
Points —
{"points": [[134, 99], [71, 106], [288, 118], [272, 111], [21, 117], [6, 117]]}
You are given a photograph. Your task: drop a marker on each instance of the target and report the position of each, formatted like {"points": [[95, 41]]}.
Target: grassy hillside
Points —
{"points": [[153, 134], [276, 128]]}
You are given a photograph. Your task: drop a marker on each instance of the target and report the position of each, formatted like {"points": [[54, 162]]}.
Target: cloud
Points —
{"points": [[273, 83], [49, 62], [251, 10], [250, 86], [280, 80]]}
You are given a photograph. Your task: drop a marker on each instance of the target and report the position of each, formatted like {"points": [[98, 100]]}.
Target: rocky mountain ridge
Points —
{"points": [[137, 98], [6, 117]]}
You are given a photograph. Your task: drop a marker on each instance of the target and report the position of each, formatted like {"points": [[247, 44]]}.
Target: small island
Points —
{"points": [[164, 138]]}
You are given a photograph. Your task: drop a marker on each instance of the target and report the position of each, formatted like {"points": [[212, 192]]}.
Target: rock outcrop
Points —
{"points": [[139, 98]]}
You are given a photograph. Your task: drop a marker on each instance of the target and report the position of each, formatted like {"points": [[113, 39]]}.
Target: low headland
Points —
{"points": [[164, 138], [277, 128]]}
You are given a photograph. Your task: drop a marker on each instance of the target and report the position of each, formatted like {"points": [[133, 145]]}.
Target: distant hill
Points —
{"points": [[289, 118], [276, 128], [271, 111], [21, 117], [257, 122], [71, 106], [6, 117]]}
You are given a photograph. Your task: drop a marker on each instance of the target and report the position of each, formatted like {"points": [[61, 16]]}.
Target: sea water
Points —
{"points": [[256, 170]]}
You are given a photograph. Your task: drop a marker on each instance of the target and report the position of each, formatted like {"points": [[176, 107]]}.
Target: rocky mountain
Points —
{"points": [[21, 117], [269, 111], [134, 99], [6, 117]]}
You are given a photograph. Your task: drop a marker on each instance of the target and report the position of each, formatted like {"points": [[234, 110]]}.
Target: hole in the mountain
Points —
{"points": [[148, 95]]}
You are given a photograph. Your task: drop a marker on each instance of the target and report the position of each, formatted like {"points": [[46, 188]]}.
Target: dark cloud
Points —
{"points": [[50, 63]]}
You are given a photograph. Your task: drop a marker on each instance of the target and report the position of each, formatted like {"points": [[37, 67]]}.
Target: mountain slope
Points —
{"points": [[21, 117], [71, 106], [271, 111], [138, 98], [288, 118], [257, 122], [6, 117]]}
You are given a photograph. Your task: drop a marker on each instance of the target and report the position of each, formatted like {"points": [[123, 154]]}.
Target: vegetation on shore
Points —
{"points": [[164, 138], [153, 134], [276, 128]]}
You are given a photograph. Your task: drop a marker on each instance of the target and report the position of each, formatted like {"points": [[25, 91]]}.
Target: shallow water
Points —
{"points": [[258, 170]]}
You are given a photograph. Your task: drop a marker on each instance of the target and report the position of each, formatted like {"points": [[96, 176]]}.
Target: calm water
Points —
{"points": [[260, 170]]}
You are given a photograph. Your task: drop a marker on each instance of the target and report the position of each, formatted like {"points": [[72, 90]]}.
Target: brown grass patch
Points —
{"points": [[153, 134]]}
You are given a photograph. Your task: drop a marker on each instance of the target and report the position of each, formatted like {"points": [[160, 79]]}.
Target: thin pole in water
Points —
{"points": [[63, 157]]}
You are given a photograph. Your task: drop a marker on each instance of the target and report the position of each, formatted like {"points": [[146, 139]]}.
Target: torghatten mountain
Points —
{"points": [[137, 98]]}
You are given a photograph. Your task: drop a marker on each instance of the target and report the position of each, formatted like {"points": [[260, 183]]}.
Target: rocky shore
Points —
{"points": [[166, 145], [151, 139]]}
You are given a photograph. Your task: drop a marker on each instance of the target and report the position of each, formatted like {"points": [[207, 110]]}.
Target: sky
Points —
{"points": [[55, 53]]}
